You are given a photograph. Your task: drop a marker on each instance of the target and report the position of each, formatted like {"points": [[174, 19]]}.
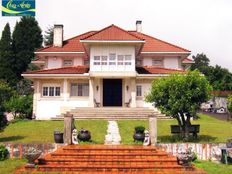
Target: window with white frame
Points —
{"points": [[51, 91], [67, 62], [128, 59], [97, 60], [79, 89], [104, 60], [139, 91], [157, 62], [120, 59], [112, 59]]}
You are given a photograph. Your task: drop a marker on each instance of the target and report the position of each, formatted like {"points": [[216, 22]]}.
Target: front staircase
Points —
{"points": [[83, 159], [112, 113]]}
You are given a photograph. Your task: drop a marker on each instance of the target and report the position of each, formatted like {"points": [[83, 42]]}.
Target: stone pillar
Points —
{"points": [[91, 92], [153, 129], [133, 93], [68, 127]]}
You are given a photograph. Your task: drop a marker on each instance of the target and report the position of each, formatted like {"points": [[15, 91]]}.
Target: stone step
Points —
{"points": [[96, 161], [84, 159], [102, 167], [111, 147], [109, 118], [115, 154]]}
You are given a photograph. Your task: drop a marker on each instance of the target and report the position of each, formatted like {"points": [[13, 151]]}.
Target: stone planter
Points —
{"points": [[58, 137], [31, 157], [139, 133], [84, 135], [138, 136], [185, 158]]}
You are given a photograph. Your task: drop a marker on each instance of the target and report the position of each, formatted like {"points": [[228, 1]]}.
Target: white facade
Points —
{"points": [[110, 78], [112, 65]]}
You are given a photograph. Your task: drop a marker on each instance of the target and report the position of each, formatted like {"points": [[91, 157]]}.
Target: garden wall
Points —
{"points": [[203, 151]]}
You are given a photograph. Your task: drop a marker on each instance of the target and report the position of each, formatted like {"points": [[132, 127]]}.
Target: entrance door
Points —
{"points": [[112, 92]]}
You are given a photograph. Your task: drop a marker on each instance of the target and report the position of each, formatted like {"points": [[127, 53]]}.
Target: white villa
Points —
{"points": [[111, 67]]}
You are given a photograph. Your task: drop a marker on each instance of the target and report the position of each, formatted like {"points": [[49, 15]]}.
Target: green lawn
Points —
{"points": [[213, 168], [211, 131], [8, 166], [42, 131]]}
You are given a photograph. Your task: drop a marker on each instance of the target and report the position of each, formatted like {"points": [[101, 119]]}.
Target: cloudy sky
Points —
{"points": [[198, 25]]}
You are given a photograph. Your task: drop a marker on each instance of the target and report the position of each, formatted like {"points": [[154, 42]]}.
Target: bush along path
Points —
{"points": [[113, 135]]}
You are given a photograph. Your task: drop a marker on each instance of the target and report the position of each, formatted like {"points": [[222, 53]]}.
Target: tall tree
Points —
{"points": [[201, 62], [220, 78], [27, 38], [48, 37], [180, 96], [7, 57]]}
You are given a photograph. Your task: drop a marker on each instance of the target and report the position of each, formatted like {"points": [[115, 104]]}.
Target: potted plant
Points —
{"points": [[185, 158], [139, 133], [229, 143], [58, 136], [31, 154], [84, 135]]}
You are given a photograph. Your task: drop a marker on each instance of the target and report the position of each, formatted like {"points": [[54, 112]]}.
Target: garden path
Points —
{"points": [[113, 135]]}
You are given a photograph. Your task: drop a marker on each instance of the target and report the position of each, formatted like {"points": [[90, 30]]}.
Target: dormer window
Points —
{"points": [[97, 60], [128, 59], [104, 60], [120, 59], [157, 62], [112, 59], [68, 62]]}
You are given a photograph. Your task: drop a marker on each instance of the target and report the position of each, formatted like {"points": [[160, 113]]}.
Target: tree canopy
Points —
{"points": [[229, 106], [5, 94], [180, 96], [27, 38], [220, 78], [48, 37], [7, 57]]}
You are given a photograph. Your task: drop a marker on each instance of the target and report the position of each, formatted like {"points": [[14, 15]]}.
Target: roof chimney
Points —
{"points": [[139, 26], [58, 36]]}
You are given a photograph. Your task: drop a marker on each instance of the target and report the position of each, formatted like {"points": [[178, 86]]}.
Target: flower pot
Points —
{"points": [[138, 136], [58, 137], [84, 135], [31, 157], [229, 144]]}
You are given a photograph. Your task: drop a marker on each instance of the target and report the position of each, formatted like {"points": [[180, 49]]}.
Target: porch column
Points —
{"points": [[36, 97], [65, 90], [91, 92], [133, 93]]}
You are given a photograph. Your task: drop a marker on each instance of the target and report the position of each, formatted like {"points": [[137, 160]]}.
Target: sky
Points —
{"points": [[202, 26]]}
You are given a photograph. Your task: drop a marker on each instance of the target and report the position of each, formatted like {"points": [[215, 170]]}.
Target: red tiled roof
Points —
{"points": [[64, 70], [153, 44], [113, 33], [70, 45], [187, 60], [157, 70]]}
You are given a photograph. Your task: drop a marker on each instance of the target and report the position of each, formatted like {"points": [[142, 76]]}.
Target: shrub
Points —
{"points": [[5, 93], [139, 129], [20, 106], [3, 152], [229, 106]]}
